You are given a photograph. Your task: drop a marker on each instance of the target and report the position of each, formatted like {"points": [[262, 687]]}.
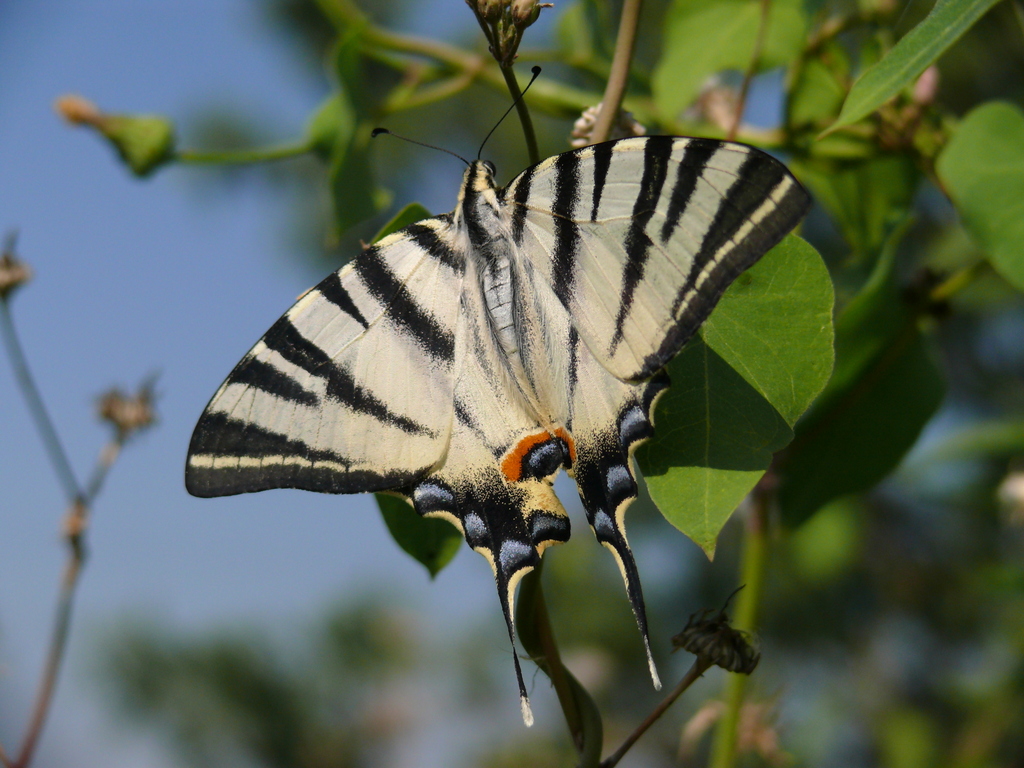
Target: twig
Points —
{"points": [[700, 665], [755, 60], [58, 457], [58, 640], [723, 752], [618, 78]]}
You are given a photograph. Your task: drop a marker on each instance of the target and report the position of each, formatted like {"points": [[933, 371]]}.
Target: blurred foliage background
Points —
{"points": [[892, 611]]}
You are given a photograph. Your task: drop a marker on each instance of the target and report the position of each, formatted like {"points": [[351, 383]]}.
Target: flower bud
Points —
{"points": [[525, 12], [144, 142], [488, 10]]}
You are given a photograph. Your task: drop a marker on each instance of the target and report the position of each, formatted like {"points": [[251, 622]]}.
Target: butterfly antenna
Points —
{"points": [[536, 73], [378, 131]]}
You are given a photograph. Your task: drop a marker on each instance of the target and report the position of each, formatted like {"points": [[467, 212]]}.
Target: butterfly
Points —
{"points": [[461, 362]]}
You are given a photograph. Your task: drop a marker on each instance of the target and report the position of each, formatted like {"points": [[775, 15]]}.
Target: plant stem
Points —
{"points": [[523, 112], [700, 665], [243, 156], [58, 456], [618, 78], [755, 545], [755, 59], [58, 640]]}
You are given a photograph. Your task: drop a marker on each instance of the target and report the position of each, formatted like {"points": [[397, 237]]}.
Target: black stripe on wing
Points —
{"points": [[657, 153], [567, 231], [332, 289], [402, 307], [691, 168], [285, 339], [602, 162], [439, 248], [253, 372], [289, 463], [759, 177]]}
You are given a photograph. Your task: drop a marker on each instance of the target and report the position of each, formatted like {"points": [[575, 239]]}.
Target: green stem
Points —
{"points": [[58, 456], [755, 546], [244, 156], [619, 75]]}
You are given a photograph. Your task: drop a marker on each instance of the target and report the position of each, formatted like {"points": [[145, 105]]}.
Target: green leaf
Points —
{"points": [[948, 20], [785, 355], [354, 190], [432, 541], [703, 38], [864, 198], [982, 168], [333, 120], [738, 387], [715, 437], [884, 390], [410, 214], [817, 95]]}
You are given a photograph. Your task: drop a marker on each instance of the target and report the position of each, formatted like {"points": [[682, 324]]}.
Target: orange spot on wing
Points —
{"points": [[512, 464]]}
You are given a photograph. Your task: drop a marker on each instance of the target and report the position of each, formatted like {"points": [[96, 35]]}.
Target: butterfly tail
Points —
{"points": [[607, 484], [510, 524]]}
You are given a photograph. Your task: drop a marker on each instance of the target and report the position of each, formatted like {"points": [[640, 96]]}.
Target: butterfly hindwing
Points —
{"points": [[351, 390]]}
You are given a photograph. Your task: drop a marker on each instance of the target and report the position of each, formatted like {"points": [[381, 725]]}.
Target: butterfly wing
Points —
{"points": [[640, 237], [352, 389]]}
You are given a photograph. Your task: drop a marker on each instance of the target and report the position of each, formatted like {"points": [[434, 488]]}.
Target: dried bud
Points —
{"points": [[77, 110], [13, 272], [128, 414], [525, 12], [708, 635], [927, 86], [144, 142], [624, 127], [1011, 498]]}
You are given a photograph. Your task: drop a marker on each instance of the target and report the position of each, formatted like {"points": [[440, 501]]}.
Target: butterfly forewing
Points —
{"points": [[352, 389], [640, 237]]}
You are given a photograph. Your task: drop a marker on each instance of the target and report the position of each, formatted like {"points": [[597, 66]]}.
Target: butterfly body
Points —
{"points": [[465, 360]]}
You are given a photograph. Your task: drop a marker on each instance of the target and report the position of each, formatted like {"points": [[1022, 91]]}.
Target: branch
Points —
{"points": [[619, 75], [700, 665], [755, 60], [19, 364]]}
